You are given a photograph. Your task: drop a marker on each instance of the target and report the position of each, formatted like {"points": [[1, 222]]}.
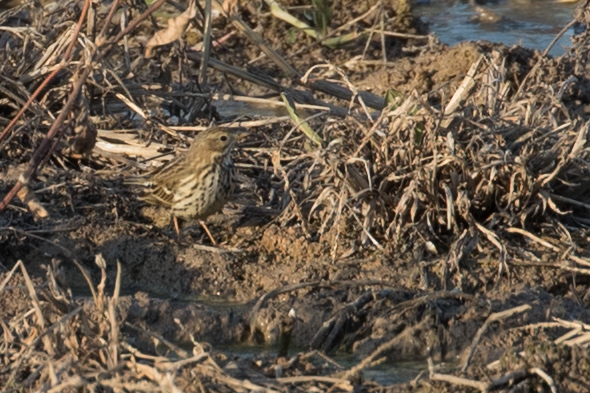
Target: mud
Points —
{"points": [[358, 297]]}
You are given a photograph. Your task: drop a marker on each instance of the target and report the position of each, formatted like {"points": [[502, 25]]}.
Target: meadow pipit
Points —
{"points": [[198, 183]]}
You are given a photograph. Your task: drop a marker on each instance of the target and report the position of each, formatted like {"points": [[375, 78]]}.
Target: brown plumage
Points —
{"points": [[198, 183]]}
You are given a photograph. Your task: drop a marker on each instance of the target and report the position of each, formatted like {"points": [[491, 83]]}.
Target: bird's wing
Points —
{"points": [[158, 194], [158, 186]]}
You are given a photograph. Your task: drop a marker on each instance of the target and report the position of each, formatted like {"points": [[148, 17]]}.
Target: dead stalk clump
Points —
{"points": [[53, 342], [418, 176]]}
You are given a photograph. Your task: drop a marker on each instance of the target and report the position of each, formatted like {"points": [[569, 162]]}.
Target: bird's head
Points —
{"points": [[217, 140]]}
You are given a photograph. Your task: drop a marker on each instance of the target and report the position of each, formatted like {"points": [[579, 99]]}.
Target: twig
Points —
{"points": [[10, 274], [313, 378], [548, 380], [101, 36], [413, 303], [558, 36], [237, 124], [464, 88], [538, 64], [574, 258], [300, 123], [492, 318], [482, 386]]}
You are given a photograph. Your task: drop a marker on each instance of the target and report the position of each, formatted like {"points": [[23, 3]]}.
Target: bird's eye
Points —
{"points": [[223, 138]]}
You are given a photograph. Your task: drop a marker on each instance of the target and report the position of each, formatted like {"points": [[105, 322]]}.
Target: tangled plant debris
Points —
{"points": [[396, 220]]}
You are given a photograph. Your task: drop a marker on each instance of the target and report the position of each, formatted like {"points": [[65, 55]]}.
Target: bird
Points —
{"points": [[196, 184]]}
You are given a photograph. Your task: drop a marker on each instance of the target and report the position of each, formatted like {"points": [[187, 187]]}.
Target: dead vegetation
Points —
{"points": [[500, 169], [81, 344]]}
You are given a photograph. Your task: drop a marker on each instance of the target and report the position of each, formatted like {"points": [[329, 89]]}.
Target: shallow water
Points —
{"points": [[530, 23], [385, 374]]}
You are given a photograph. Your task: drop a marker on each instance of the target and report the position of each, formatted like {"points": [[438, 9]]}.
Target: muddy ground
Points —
{"points": [[350, 296]]}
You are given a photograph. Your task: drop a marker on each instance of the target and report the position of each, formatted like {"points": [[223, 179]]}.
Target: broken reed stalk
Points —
{"points": [[101, 51], [492, 318], [371, 100], [268, 82], [206, 44]]}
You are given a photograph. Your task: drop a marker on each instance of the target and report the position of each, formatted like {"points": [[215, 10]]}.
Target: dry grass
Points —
{"points": [[498, 164], [55, 343]]}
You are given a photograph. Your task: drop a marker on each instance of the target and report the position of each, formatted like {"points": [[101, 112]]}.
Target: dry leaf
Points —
{"points": [[175, 30], [228, 6], [34, 205]]}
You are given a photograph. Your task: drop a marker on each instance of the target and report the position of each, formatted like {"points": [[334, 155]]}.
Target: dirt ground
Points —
{"points": [[392, 303]]}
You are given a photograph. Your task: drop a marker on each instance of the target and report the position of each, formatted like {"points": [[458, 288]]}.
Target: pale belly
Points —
{"points": [[202, 200]]}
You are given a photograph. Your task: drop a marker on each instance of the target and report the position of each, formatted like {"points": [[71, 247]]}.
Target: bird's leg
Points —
{"points": [[208, 233], [176, 227]]}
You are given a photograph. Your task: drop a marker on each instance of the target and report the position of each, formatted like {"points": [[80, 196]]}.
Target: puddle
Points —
{"points": [[529, 23], [395, 373], [386, 374]]}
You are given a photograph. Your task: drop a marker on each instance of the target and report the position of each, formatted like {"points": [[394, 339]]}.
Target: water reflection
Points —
{"points": [[530, 23]]}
